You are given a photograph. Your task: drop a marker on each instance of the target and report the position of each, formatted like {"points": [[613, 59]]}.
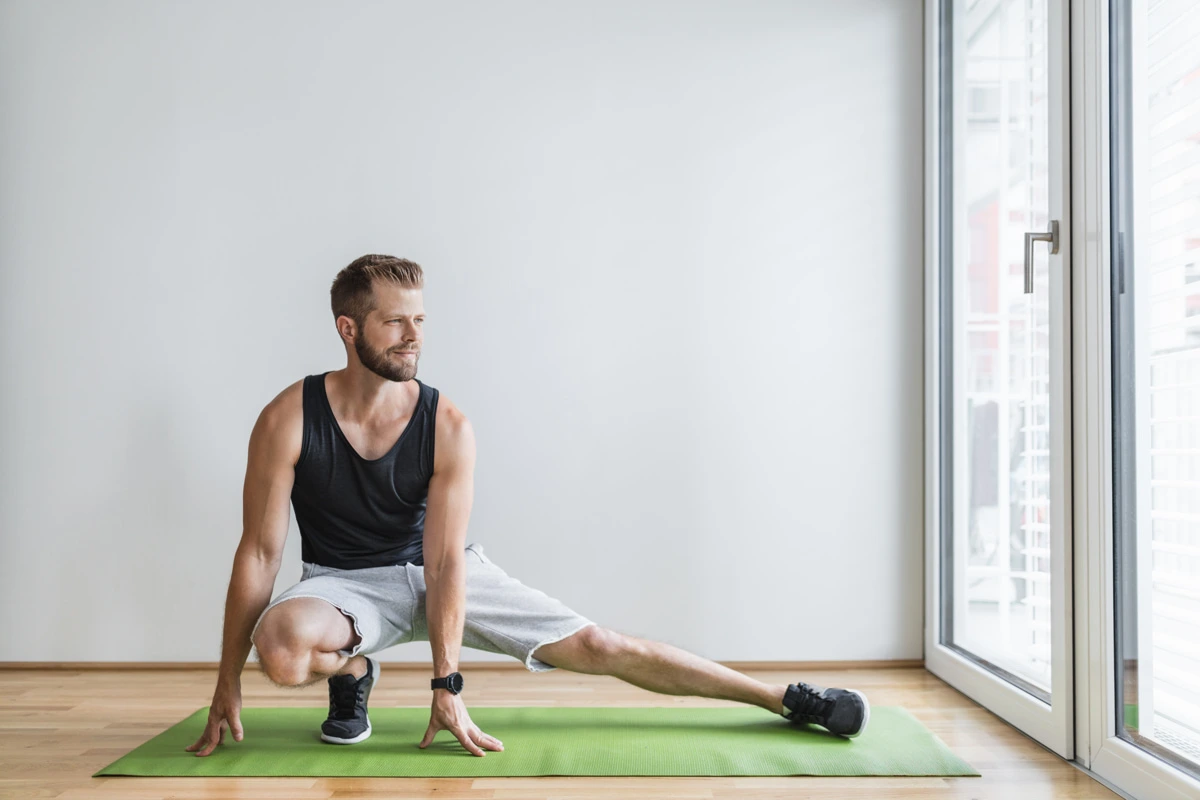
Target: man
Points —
{"points": [[379, 469]]}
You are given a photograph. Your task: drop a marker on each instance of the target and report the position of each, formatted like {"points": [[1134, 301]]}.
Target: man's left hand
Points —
{"points": [[449, 713]]}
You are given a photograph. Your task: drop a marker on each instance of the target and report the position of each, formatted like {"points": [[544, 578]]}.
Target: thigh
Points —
{"points": [[378, 601], [503, 615], [303, 622]]}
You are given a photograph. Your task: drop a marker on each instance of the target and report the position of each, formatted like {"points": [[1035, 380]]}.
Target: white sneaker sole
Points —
{"points": [[373, 665], [866, 715], [335, 740]]}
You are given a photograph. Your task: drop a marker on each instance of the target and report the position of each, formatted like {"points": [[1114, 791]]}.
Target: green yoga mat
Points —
{"points": [[282, 742]]}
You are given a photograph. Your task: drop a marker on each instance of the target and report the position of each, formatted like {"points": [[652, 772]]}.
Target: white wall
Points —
{"points": [[673, 259]]}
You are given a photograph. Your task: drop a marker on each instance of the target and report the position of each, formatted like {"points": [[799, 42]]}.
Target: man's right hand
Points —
{"points": [[224, 712]]}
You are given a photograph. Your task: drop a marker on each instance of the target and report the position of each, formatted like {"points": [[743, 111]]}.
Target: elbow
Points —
{"points": [[451, 565], [259, 558]]}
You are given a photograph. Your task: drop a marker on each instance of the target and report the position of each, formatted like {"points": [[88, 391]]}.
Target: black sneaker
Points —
{"points": [[348, 722], [841, 711]]}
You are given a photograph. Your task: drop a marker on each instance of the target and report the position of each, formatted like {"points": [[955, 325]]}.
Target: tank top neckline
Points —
{"points": [[391, 450]]}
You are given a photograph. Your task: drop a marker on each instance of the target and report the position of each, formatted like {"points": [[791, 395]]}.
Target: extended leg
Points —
{"points": [[658, 667]]}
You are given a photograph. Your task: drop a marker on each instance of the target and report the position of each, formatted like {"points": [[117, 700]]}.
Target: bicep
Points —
{"points": [[266, 495], [451, 492]]}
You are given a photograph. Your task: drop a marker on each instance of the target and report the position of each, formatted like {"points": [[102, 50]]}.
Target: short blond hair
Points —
{"points": [[352, 295]]}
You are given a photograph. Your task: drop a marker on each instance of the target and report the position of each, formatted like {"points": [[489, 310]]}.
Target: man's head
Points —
{"points": [[378, 310]]}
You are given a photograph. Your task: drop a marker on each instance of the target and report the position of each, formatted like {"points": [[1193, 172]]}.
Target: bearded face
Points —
{"points": [[395, 363]]}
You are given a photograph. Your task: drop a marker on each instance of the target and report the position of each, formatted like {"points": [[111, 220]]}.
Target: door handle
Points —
{"points": [[1030, 238]]}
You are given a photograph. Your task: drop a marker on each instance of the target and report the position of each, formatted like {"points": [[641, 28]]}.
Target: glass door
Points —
{"points": [[999, 615], [1138, 400], [1155, 318]]}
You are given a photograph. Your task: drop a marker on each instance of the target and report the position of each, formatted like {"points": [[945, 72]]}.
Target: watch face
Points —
{"points": [[452, 682]]}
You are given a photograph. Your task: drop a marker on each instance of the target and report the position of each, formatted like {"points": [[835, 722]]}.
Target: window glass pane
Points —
{"points": [[1155, 147], [996, 576]]}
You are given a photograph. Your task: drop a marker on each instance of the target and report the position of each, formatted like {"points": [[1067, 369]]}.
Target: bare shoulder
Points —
{"points": [[280, 425], [453, 439]]}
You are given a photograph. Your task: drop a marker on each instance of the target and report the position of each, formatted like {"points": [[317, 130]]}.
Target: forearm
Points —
{"points": [[445, 599], [249, 593]]}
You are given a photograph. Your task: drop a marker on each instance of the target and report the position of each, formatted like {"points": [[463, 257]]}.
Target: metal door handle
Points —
{"points": [[1030, 238]]}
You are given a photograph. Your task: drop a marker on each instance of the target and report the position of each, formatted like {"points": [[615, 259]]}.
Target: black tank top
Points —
{"points": [[354, 513]]}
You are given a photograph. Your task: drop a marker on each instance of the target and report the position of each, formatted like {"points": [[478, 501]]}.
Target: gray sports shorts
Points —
{"points": [[387, 607]]}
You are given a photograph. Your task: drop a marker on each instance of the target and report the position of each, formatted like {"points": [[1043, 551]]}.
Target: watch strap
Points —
{"points": [[447, 682]]}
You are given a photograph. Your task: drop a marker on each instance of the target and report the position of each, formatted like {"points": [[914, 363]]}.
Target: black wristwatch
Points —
{"points": [[452, 683]]}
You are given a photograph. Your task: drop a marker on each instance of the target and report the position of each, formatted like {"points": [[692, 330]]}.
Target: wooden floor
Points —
{"points": [[57, 727]]}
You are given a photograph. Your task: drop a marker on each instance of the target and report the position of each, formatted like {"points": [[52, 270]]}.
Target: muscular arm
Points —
{"points": [[270, 471], [447, 509]]}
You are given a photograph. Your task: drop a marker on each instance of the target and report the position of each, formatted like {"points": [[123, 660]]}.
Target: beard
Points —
{"points": [[384, 364]]}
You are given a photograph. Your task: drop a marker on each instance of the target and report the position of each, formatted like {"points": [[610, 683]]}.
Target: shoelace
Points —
{"points": [[809, 706], [344, 696]]}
